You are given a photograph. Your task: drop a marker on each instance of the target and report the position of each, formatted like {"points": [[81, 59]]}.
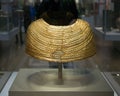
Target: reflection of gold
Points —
{"points": [[60, 43]]}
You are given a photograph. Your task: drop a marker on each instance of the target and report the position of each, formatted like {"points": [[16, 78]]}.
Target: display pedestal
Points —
{"points": [[32, 82]]}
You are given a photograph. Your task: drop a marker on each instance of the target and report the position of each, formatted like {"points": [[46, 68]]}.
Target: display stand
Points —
{"points": [[42, 82]]}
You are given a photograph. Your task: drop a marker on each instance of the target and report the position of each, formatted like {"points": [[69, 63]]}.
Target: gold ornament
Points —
{"points": [[60, 43]]}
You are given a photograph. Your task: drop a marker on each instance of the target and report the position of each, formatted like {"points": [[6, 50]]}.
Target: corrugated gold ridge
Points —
{"points": [[60, 43]]}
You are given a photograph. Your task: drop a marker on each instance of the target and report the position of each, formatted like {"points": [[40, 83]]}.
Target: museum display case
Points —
{"points": [[108, 17], [103, 15], [8, 26], [5, 20], [60, 43], [97, 75]]}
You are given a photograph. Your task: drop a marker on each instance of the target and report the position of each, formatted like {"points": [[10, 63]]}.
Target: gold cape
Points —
{"points": [[60, 43]]}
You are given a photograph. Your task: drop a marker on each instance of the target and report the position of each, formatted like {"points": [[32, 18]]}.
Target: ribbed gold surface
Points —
{"points": [[60, 43]]}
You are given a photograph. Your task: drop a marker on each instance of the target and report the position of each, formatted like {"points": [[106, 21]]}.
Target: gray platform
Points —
{"points": [[32, 82]]}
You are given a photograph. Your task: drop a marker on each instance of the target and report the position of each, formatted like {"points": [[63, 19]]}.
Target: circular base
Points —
{"points": [[70, 79]]}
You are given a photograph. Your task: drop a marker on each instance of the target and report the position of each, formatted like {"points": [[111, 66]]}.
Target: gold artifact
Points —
{"points": [[60, 43]]}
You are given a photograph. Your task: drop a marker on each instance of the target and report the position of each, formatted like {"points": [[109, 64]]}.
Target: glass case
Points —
{"points": [[104, 15], [8, 21], [101, 15]]}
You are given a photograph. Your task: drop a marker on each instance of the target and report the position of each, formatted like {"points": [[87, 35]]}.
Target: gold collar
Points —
{"points": [[60, 43]]}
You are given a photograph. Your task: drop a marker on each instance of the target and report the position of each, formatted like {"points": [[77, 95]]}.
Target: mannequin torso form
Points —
{"points": [[58, 18]]}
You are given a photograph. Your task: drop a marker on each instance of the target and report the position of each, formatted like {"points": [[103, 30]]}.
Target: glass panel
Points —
{"points": [[102, 15], [7, 17], [89, 10], [116, 76]]}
